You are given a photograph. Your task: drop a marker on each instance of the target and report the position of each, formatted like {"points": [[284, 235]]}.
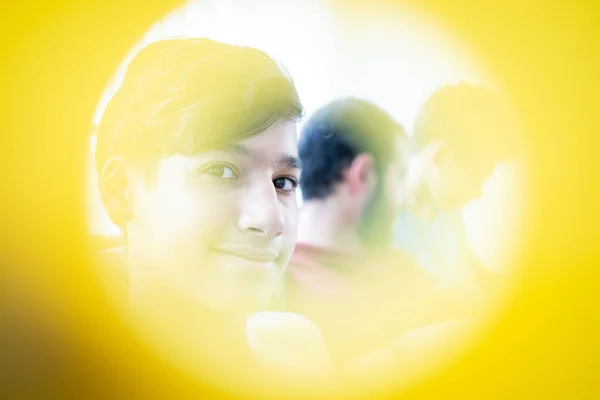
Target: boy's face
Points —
{"points": [[219, 226]]}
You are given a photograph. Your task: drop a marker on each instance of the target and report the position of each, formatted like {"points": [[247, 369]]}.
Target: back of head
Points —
{"points": [[329, 143], [476, 124], [335, 135], [186, 95]]}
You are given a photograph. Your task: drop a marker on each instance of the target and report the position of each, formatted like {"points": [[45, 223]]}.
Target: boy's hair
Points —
{"points": [[187, 95], [335, 135]]}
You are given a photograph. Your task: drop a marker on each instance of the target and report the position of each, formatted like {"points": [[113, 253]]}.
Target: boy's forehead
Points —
{"points": [[278, 140], [178, 162], [281, 137]]}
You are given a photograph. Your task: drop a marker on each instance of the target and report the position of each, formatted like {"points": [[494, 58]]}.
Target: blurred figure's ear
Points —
{"points": [[361, 177], [115, 191]]}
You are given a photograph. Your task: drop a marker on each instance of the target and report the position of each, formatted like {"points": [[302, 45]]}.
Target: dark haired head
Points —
{"points": [[335, 135], [332, 138]]}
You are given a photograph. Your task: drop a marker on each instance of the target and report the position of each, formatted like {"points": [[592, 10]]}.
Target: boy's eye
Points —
{"points": [[285, 184], [221, 171]]}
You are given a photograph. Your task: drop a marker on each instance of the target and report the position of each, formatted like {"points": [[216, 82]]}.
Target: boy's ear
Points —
{"points": [[115, 190]]}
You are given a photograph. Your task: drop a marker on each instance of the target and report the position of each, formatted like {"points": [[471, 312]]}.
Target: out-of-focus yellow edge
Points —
{"points": [[56, 59]]}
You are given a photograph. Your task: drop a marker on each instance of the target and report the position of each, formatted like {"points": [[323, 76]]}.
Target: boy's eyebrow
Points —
{"points": [[287, 160], [290, 161]]}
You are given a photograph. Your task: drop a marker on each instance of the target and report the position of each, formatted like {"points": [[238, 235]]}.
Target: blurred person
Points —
{"points": [[463, 135], [198, 166], [460, 136], [345, 275]]}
